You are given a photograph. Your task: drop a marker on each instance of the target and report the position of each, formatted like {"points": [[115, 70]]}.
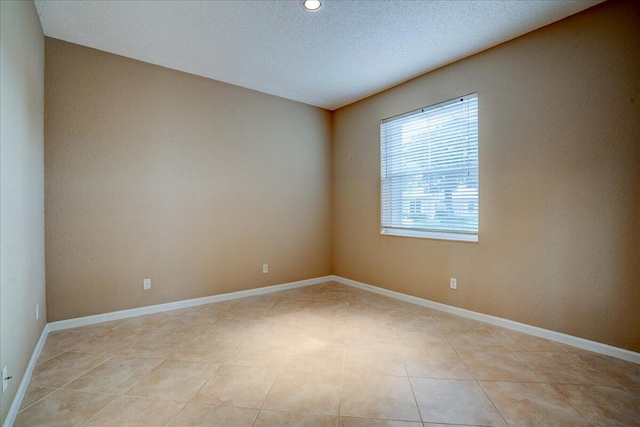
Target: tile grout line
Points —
{"points": [[276, 376], [549, 385], [475, 378], [404, 365], [165, 360]]}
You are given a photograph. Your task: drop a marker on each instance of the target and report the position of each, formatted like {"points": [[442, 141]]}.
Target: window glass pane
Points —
{"points": [[429, 162]]}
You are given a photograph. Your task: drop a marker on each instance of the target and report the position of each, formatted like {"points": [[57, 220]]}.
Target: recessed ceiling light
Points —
{"points": [[312, 5]]}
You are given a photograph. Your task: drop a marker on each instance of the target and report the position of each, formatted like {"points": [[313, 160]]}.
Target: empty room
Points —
{"points": [[324, 213]]}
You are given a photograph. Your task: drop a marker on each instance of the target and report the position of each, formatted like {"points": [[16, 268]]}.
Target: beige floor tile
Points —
{"points": [[210, 311], [178, 312], [368, 422], [289, 419], [66, 367], [136, 412], [437, 361], [63, 408], [312, 392], [115, 375], [332, 294], [329, 304], [368, 320], [325, 317], [69, 337], [268, 300], [335, 332], [111, 342], [50, 351], [273, 330], [332, 286], [454, 402], [247, 311], [62, 341], [158, 345], [259, 354], [384, 397], [226, 332], [377, 336], [368, 306], [196, 415], [497, 364], [233, 325], [412, 320], [459, 324], [440, 315], [240, 386], [517, 341], [395, 306], [374, 360], [33, 395], [305, 293], [450, 425], [285, 313], [564, 368], [186, 325], [173, 380], [624, 373], [148, 323], [412, 337], [604, 406], [104, 344], [206, 349], [308, 354], [289, 306], [532, 404], [473, 339], [373, 312]]}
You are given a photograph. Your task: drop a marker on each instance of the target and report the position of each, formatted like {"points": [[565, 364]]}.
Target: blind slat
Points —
{"points": [[429, 168]]}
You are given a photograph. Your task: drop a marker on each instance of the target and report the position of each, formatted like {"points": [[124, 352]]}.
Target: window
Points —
{"points": [[429, 170]]}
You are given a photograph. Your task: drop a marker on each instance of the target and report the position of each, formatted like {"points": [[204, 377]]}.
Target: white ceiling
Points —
{"points": [[345, 52]]}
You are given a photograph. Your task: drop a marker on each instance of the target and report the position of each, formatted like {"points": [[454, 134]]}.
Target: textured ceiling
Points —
{"points": [[345, 52]]}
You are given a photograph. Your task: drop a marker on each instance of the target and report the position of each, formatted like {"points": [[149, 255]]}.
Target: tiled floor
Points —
{"points": [[325, 355]]}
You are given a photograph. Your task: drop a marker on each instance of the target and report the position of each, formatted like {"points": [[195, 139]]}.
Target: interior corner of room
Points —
{"points": [[115, 170]]}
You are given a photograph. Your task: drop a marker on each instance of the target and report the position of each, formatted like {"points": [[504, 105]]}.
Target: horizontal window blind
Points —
{"points": [[429, 160]]}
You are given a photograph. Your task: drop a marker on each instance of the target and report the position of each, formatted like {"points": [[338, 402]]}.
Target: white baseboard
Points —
{"points": [[141, 311], [22, 388], [582, 343]]}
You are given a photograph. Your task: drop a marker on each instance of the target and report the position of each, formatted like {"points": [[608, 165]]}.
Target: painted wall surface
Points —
{"points": [[559, 182], [154, 173], [22, 276]]}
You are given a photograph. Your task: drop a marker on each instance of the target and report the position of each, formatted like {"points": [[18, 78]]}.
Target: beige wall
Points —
{"points": [[22, 284], [559, 182], [194, 183]]}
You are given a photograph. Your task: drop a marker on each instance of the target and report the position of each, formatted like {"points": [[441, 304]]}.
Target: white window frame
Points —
{"points": [[456, 223]]}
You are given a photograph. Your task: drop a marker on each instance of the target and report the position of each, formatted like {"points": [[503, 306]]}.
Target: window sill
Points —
{"points": [[456, 237]]}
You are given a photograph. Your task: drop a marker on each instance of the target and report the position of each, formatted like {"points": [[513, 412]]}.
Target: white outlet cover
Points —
{"points": [[5, 381], [265, 268], [453, 283], [146, 284]]}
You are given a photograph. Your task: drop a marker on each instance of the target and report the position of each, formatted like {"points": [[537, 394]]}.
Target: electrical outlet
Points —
{"points": [[5, 379], [265, 268], [453, 283], [37, 311], [146, 284]]}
